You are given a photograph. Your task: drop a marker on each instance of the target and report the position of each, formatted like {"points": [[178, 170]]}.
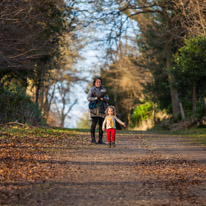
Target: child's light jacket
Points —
{"points": [[109, 122]]}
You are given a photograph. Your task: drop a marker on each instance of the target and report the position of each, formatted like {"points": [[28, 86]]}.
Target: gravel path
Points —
{"points": [[143, 169]]}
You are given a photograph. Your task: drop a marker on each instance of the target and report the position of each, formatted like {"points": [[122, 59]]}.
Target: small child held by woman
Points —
{"points": [[109, 122]]}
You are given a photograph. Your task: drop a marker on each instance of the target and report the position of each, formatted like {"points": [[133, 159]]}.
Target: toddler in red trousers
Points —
{"points": [[109, 122]]}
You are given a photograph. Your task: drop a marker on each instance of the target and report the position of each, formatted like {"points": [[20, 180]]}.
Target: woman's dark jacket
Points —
{"points": [[94, 96]]}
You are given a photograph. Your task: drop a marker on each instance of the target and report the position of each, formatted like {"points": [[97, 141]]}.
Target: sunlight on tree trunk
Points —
{"points": [[182, 111]]}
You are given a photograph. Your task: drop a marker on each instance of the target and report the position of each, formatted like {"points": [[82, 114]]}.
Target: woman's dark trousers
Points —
{"points": [[96, 120]]}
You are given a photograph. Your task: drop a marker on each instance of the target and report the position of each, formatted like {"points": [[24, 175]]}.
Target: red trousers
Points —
{"points": [[111, 133]]}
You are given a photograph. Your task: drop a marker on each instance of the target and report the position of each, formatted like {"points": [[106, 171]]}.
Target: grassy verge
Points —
{"points": [[195, 135], [59, 136], [39, 153], [23, 135]]}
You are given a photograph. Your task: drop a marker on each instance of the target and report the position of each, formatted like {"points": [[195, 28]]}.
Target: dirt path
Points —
{"points": [[143, 169]]}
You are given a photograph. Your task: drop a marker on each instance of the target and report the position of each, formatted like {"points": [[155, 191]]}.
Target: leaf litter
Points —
{"points": [[44, 166]]}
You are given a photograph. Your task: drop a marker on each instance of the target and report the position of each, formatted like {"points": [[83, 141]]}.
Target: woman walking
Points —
{"points": [[98, 100]]}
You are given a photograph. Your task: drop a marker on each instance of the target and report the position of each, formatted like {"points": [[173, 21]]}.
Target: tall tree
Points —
{"points": [[190, 64], [125, 80], [38, 42], [159, 38], [163, 26], [31, 34], [159, 35]]}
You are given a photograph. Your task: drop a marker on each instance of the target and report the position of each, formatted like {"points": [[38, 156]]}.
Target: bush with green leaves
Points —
{"points": [[191, 61], [141, 112], [17, 106], [190, 74]]}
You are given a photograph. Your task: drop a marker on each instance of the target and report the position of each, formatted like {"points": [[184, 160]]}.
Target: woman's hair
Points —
{"points": [[95, 79], [113, 108]]}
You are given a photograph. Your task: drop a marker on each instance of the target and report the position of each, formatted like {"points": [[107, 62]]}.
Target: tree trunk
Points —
{"points": [[194, 99], [37, 92], [175, 102], [62, 119], [47, 103], [182, 111], [173, 91], [204, 106]]}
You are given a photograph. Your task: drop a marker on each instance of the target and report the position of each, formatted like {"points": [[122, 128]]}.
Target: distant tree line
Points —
{"points": [[155, 55], [38, 49], [163, 61]]}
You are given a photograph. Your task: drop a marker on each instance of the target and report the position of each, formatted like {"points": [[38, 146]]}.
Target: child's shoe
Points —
{"points": [[113, 144], [109, 144]]}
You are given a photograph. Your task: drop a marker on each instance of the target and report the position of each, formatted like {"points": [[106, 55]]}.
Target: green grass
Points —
{"points": [[25, 130], [196, 135]]}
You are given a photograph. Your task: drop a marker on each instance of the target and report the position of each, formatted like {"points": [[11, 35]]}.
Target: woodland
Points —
{"points": [[153, 66]]}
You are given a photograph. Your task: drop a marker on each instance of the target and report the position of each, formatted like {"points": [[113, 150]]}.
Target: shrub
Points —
{"points": [[141, 112], [17, 106]]}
